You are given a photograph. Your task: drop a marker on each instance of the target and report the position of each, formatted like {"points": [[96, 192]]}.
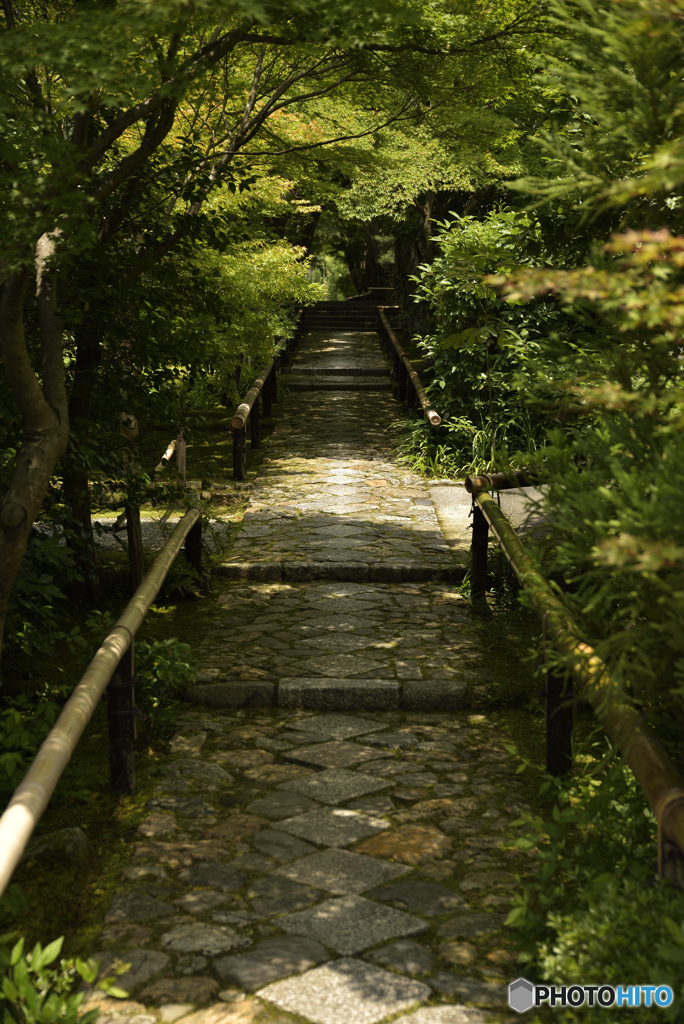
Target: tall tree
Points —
{"points": [[95, 94]]}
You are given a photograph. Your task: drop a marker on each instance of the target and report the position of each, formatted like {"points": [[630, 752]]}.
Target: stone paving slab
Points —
{"points": [[351, 924], [335, 786], [333, 826], [348, 990], [341, 872]]}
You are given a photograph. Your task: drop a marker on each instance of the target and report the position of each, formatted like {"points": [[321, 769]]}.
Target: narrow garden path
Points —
{"points": [[330, 838]]}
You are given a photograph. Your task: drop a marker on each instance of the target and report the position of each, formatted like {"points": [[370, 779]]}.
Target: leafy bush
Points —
{"points": [[24, 724], [164, 668], [598, 944], [487, 355], [32, 992], [600, 829]]}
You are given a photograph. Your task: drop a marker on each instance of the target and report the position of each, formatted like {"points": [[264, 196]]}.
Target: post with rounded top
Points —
{"points": [[239, 452], [255, 425], [478, 550], [266, 393], [136, 557]]}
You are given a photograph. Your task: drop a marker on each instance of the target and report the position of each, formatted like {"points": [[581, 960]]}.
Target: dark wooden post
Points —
{"points": [[181, 463], [396, 366], [239, 453], [478, 552], [193, 547], [560, 714], [266, 393], [121, 725], [273, 379], [403, 382], [136, 558], [255, 424]]}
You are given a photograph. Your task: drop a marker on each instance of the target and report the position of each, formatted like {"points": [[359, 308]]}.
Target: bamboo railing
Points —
{"points": [[642, 751], [405, 374], [247, 412], [111, 670]]}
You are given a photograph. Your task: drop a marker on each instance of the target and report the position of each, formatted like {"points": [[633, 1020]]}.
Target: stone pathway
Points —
{"points": [[330, 838], [323, 868], [330, 501]]}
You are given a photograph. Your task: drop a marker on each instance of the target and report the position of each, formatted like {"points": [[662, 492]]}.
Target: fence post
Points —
{"points": [[274, 385], [396, 366], [560, 714], [136, 558], [478, 566], [193, 547], [181, 464], [239, 453], [121, 725], [404, 382], [255, 424], [266, 392]]}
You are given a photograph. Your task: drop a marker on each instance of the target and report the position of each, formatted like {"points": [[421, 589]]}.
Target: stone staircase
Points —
{"points": [[341, 316]]}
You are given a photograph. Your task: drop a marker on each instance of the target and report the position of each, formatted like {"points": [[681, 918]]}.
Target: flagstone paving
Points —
{"points": [[330, 501], [330, 838], [242, 912]]}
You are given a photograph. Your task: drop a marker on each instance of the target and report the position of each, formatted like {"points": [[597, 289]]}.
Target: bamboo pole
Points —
{"points": [[32, 795], [642, 751], [433, 418], [245, 407], [166, 457], [502, 481]]}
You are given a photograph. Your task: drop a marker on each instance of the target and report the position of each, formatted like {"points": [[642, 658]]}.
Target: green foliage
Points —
{"points": [[164, 668], [24, 724], [34, 992], [613, 139], [625, 933], [487, 355], [600, 830]]}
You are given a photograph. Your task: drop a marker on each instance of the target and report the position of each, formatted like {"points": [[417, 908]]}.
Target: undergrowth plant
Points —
{"points": [[577, 917], [33, 990], [487, 356]]}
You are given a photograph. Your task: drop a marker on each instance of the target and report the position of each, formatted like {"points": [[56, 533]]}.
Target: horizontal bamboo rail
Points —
{"points": [[433, 418], [32, 795], [501, 481], [245, 407], [640, 748]]}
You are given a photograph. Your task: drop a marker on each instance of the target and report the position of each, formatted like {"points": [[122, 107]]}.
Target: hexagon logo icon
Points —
{"points": [[521, 995]]}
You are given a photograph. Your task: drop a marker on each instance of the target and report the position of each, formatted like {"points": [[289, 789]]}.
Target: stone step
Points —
{"points": [[344, 371], [323, 693], [335, 383], [300, 571]]}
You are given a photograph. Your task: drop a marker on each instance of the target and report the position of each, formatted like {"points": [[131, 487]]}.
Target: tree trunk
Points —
{"points": [[43, 408], [426, 210], [374, 276]]}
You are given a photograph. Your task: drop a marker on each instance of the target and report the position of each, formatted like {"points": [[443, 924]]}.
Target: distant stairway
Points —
{"points": [[332, 357]]}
